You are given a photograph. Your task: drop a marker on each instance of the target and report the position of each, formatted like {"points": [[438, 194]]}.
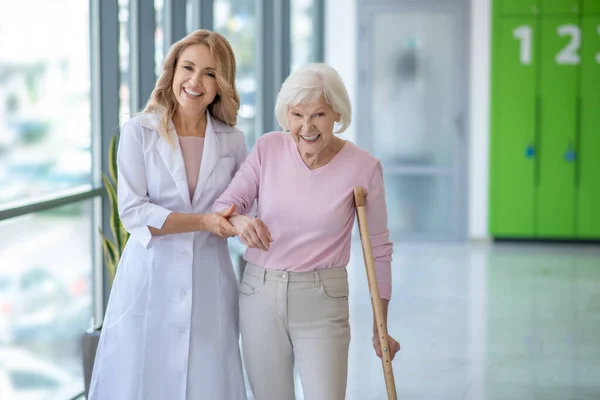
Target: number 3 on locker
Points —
{"points": [[568, 55]]}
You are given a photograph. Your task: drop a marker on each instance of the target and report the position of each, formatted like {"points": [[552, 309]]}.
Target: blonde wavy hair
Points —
{"points": [[227, 101]]}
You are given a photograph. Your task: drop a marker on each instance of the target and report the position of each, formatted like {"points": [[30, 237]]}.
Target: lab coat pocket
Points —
{"points": [[128, 297]]}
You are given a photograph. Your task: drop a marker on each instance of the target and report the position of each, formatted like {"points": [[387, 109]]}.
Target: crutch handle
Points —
{"points": [[359, 196], [365, 238]]}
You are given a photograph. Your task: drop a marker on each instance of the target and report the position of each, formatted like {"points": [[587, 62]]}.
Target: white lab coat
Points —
{"points": [[171, 326]]}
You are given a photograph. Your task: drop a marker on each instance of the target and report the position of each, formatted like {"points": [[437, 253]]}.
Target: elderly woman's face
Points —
{"points": [[195, 83], [311, 125]]}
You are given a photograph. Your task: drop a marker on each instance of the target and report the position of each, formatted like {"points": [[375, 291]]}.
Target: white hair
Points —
{"points": [[306, 85]]}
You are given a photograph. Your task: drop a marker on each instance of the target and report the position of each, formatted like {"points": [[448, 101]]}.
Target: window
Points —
{"points": [[189, 15], [124, 89], [45, 130], [302, 33], [27, 380], [45, 298], [237, 22], [159, 37]]}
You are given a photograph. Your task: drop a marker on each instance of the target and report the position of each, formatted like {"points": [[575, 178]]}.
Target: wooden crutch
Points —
{"points": [[365, 239]]}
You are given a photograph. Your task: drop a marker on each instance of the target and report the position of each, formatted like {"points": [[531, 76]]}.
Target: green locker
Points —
{"points": [[560, 7], [516, 7], [558, 74], [545, 120], [591, 7], [513, 121], [588, 176]]}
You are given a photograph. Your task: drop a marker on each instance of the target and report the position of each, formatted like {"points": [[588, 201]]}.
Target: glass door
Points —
{"points": [[413, 86]]}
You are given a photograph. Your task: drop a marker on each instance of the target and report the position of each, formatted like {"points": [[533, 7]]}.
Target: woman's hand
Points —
{"points": [[252, 231], [218, 223], [393, 344]]}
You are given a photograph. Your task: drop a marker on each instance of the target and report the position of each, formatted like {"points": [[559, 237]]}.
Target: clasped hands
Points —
{"points": [[252, 231]]}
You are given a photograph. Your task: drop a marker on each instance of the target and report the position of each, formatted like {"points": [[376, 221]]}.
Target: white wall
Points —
{"points": [[479, 124], [340, 51]]}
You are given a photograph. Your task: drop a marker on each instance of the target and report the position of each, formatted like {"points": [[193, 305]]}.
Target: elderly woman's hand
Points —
{"points": [[394, 346], [252, 231]]}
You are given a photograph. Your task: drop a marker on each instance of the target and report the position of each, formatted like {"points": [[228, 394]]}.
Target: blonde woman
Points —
{"points": [[294, 292], [170, 330]]}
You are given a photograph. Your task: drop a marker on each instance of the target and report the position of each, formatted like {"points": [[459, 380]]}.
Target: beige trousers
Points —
{"points": [[301, 318]]}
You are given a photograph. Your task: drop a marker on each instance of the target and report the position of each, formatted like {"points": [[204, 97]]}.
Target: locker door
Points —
{"points": [[588, 177], [591, 7], [513, 150], [560, 7], [517, 7], [560, 48]]}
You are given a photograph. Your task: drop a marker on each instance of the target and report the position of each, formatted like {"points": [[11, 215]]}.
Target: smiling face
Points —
{"points": [[194, 82], [311, 126]]}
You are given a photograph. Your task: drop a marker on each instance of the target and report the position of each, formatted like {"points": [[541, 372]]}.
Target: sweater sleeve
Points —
{"points": [[243, 189], [376, 212]]}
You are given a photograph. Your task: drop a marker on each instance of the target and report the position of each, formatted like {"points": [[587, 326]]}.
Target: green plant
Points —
{"points": [[113, 248]]}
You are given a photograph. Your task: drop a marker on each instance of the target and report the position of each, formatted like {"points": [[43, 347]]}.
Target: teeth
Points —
{"points": [[191, 92], [310, 138]]}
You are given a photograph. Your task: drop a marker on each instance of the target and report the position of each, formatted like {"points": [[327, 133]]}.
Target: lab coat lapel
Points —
{"points": [[173, 159], [210, 156]]}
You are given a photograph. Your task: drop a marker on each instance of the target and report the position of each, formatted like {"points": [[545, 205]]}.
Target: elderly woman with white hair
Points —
{"points": [[294, 291]]}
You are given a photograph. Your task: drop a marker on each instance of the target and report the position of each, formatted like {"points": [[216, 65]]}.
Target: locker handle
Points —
{"points": [[570, 155], [530, 151]]}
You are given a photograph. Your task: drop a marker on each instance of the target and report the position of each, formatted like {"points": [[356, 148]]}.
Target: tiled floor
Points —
{"points": [[483, 322]]}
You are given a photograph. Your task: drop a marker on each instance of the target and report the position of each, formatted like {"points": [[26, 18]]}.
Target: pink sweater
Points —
{"points": [[310, 213]]}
